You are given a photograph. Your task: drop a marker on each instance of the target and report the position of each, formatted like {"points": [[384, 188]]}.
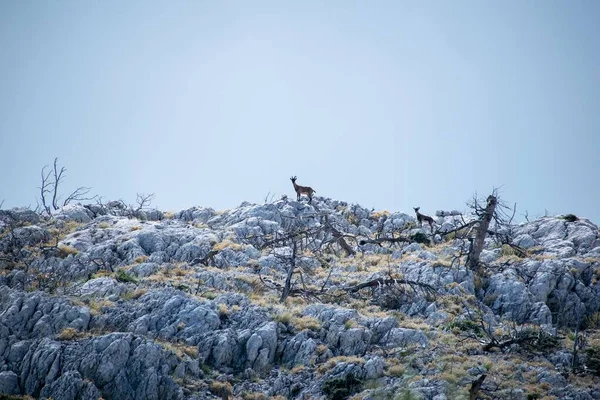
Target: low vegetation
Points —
{"points": [[360, 292]]}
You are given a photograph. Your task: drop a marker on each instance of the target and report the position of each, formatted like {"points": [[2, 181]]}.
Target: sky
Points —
{"points": [[388, 104]]}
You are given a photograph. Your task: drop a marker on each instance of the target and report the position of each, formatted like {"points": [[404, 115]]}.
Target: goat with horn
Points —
{"points": [[307, 190], [423, 217]]}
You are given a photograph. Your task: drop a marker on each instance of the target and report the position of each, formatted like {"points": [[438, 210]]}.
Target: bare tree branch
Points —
{"points": [[45, 189], [49, 188], [209, 257], [78, 195], [388, 282], [339, 237], [288, 280], [379, 241], [57, 178], [466, 225], [143, 200]]}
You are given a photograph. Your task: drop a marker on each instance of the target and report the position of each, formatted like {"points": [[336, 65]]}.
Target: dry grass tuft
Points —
{"points": [[306, 322], [254, 396], [69, 334], [332, 362], [180, 350], [65, 251], [223, 389], [141, 259], [396, 370], [134, 295], [228, 244], [97, 306]]}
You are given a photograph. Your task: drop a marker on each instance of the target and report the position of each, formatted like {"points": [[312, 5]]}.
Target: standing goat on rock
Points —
{"points": [[302, 190], [423, 217]]}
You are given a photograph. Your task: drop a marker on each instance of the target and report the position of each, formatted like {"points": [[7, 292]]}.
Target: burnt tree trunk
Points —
{"points": [[342, 242], [379, 241], [476, 387], [481, 231], [340, 238], [288, 280]]}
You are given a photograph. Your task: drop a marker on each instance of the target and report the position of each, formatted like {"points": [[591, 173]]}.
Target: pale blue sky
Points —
{"points": [[388, 104]]}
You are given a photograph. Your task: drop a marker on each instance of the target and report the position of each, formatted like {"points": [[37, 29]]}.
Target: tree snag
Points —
{"points": [[480, 232]]}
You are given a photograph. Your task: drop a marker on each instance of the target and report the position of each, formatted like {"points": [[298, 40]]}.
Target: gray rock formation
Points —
{"points": [[202, 311]]}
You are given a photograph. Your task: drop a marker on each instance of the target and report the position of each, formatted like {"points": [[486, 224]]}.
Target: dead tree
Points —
{"points": [[381, 240], [120, 208], [390, 293], [294, 238], [143, 201], [481, 232], [339, 237], [207, 259], [476, 387], [49, 193], [312, 237], [482, 327], [389, 282], [298, 241], [292, 266], [534, 340]]}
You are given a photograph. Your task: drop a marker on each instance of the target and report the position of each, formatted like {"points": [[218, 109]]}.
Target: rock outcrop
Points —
{"points": [[99, 301]]}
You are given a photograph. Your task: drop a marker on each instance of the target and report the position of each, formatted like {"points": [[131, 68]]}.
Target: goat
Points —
{"points": [[302, 190], [423, 217]]}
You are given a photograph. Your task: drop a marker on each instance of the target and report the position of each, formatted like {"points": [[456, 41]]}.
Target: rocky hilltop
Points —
{"points": [[289, 300]]}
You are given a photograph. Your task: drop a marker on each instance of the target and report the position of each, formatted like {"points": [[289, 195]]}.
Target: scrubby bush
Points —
{"points": [[341, 388], [124, 277], [420, 237], [223, 389], [593, 359], [570, 218]]}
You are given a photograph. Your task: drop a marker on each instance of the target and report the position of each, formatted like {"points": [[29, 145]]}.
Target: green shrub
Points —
{"points": [[406, 395], [124, 277], [593, 359], [341, 388], [570, 218], [507, 251], [466, 325], [182, 287], [536, 340], [420, 237]]}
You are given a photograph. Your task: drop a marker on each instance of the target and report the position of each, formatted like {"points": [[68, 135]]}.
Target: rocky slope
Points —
{"points": [[96, 303]]}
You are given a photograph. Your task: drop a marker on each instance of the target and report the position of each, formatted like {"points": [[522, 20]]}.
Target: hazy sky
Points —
{"points": [[387, 104]]}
